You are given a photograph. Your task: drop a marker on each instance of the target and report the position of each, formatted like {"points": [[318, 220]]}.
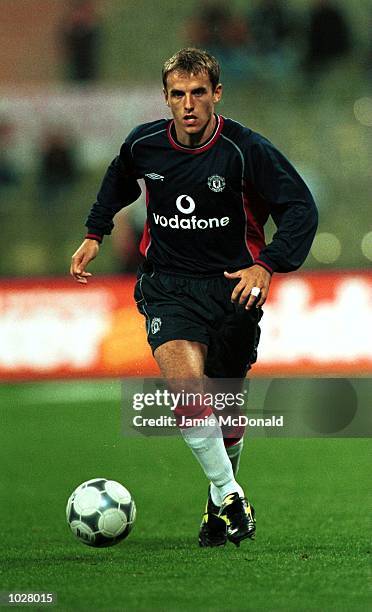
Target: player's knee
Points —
{"points": [[187, 415]]}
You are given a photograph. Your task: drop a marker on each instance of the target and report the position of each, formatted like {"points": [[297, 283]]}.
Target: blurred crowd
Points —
{"points": [[79, 39], [267, 40], [270, 41]]}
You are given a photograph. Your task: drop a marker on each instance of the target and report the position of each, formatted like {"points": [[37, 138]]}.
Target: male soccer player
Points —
{"points": [[211, 184]]}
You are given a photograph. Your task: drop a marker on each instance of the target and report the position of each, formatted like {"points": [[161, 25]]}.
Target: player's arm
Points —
{"points": [[291, 205], [119, 188], [294, 212]]}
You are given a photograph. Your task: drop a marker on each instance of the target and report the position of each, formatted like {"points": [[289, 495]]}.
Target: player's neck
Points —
{"points": [[195, 140]]}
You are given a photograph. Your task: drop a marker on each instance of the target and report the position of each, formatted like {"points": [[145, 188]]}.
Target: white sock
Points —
{"points": [[218, 494], [234, 453], [206, 443]]}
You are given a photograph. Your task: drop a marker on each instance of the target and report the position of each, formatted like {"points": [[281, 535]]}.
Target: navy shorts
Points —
{"points": [[199, 309]]}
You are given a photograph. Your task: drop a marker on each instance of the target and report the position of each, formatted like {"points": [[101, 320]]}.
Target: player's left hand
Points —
{"points": [[255, 276]]}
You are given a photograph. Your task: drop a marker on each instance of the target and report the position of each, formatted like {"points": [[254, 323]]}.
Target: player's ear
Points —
{"points": [[166, 97], [217, 94]]}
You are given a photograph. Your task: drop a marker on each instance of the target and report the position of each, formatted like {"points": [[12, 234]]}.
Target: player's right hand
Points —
{"points": [[80, 259]]}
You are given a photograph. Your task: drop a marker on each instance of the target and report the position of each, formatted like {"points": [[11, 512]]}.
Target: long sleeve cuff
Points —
{"points": [[92, 235], [264, 264]]}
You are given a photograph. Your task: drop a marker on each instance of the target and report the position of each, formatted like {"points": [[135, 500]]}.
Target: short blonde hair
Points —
{"points": [[193, 61]]}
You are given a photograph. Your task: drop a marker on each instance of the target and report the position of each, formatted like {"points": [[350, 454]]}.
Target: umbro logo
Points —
{"points": [[155, 177]]}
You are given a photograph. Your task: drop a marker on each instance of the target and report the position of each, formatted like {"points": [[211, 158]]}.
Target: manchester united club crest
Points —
{"points": [[216, 183], [155, 325]]}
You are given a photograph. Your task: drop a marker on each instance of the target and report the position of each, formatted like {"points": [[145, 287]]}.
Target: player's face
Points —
{"points": [[191, 99]]}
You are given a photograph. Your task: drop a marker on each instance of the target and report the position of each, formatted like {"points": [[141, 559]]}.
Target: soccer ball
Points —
{"points": [[101, 512]]}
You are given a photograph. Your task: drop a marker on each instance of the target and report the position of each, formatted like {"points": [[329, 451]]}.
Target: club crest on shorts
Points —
{"points": [[155, 325], [216, 183]]}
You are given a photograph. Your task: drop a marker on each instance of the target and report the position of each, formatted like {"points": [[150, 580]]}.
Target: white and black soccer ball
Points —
{"points": [[101, 512]]}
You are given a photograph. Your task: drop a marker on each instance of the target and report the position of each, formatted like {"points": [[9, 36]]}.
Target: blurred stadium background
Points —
{"points": [[75, 77]]}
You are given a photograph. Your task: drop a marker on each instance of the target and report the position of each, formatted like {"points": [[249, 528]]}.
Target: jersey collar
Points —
{"points": [[204, 147]]}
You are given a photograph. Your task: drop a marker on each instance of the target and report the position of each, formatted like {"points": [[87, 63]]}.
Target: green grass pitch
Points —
{"points": [[311, 499]]}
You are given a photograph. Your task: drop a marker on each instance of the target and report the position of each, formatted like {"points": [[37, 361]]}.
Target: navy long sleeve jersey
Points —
{"points": [[207, 205]]}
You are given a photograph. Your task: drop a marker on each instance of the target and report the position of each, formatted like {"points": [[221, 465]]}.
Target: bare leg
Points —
{"points": [[181, 359], [182, 365], [181, 362]]}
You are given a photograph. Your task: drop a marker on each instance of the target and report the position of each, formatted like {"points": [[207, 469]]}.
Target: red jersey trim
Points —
{"points": [[94, 237], [146, 236], [195, 150], [254, 233], [264, 265]]}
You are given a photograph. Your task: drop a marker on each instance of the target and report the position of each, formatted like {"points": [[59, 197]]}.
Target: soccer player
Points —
{"points": [[211, 184]]}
